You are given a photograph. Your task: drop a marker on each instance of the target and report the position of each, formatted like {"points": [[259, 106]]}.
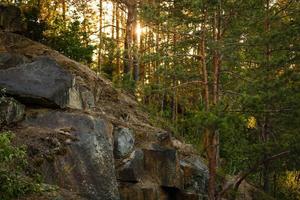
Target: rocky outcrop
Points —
{"points": [[123, 142], [87, 137], [163, 165], [8, 60], [11, 111], [41, 82], [88, 165], [195, 175], [132, 169]]}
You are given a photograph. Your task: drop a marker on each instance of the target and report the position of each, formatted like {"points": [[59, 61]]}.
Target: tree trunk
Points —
{"points": [[135, 57], [203, 63], [212, 162], [100, 37], [118, 39], [113, 19], [64, 11], [265, 131], [128, 61]]}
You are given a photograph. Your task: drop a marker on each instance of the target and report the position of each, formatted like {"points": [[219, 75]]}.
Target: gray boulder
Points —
{"points": [[11, 111], [132, 169], [88, 165], [8, 60], [195, 174], [41, 82], [163, 165], [123, 142], [87, 98]]}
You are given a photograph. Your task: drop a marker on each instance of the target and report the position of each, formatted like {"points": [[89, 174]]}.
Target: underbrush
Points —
{"points": [[15, 180]]}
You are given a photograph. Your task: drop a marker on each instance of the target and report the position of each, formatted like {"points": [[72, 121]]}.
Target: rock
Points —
{"points": [[163, 136], [195, 175], [123, 142], [87, 97], [74, 98], [8, 60], [129, 191], [11, 19], [162, 164], [88, 165], [182, 147], [41, 82], [132, 170], [11, 111]]}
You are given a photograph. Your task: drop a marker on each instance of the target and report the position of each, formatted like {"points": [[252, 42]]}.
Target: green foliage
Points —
{"points": [[126, 82], [260, 195], [259, 78], [109, 54], [13, 180], [69, 39], [35, 27], [288, 186]]}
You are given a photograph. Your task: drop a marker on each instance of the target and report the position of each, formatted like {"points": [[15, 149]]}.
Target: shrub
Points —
{"points": [[13, 163]]}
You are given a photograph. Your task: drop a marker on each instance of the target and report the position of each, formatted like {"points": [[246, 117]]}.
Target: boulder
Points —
{"points": [[163, 165], [11, 111], [129, 191], [87, 166], [87, 98], [11, 19], [123, 142], [163, 138], [132, 169], [41, 82], [8, 60], [195, 174]]}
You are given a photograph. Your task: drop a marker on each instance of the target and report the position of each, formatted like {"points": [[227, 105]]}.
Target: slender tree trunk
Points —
{"points": [[215, 61], [203, 64], [128, 62], [175, 100], [265, 131], [265, 171], [213, 134], [100, 37], [118, 38], [135, 57], [209, 135], [64, 11], [113, 19], [141, 65]]}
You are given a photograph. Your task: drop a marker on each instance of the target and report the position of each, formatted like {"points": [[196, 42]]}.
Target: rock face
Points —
{"points": [[11, 111], [195, 174], [162, 164], [8, 60], [89, 167], [85, 136], [124, 142], [41, 82], [133, 168]]}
